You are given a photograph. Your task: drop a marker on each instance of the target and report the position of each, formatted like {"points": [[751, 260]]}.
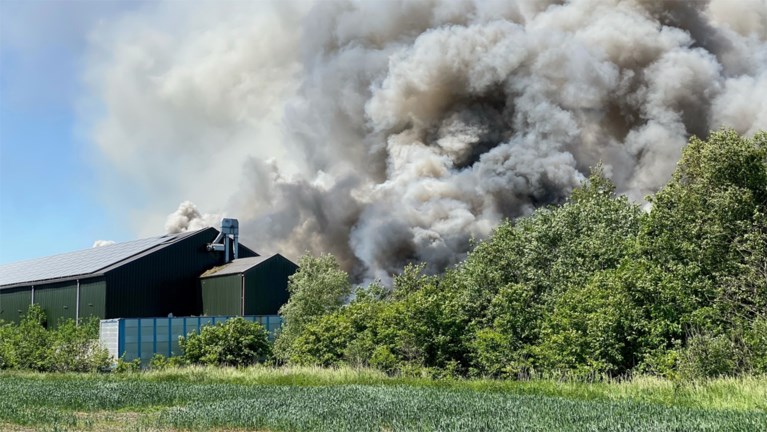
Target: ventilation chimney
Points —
{"points": [[226, 239]]}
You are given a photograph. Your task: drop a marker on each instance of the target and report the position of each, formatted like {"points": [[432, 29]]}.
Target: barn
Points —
{"points": [[152, 277], [247, 286]]}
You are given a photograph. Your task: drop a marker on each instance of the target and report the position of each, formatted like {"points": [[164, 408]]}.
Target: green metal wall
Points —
{"points": [[14, 303], [266, 286], [92, 297], [221, 295], [59, 301]]}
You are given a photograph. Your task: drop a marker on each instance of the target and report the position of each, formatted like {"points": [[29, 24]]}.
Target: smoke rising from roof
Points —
{"points": [[188, 218], [391, 132]]}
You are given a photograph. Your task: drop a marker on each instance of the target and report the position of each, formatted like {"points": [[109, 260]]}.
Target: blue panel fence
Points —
{"points": [[142, 338]]}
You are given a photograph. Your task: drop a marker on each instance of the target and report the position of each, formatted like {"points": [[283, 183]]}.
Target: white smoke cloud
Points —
{"points": [[391, 132], [188, 218], [99, 243]]}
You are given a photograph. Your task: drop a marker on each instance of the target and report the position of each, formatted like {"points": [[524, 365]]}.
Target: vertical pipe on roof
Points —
{"points": [[235, 241]]}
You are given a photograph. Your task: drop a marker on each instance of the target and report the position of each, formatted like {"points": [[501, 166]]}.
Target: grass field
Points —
{"points": [[305, 399]]}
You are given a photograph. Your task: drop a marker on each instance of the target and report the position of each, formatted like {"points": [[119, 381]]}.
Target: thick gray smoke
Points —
{"points": [[391, 132]]}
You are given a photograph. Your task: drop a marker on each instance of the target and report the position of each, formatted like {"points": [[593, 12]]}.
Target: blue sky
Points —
{"points": [[48, 188]]}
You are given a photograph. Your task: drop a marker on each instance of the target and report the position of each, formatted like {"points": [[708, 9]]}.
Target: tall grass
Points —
{"points": [[742, 393]]}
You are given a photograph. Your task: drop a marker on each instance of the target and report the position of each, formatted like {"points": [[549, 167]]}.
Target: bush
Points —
{"points": [[756, 343], [127, 366], [161, 362], [236, 342], [708, 356], [69, 347], [741, 350], [26, 345], [76, 348], [323, 342], [383, 359]]}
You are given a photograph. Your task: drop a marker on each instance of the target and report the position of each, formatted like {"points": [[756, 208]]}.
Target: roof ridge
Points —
{"points": [[83, 262]]}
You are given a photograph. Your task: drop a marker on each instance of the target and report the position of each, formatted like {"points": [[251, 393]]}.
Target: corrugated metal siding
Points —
{"points": [[163, 282], [266, 286], [59, 301], [141, 338], [93, 297], [14, 303], [221, 295]]}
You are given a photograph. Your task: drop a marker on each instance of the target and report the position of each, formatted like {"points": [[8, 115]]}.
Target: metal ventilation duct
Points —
{"points": [[228, 236]]}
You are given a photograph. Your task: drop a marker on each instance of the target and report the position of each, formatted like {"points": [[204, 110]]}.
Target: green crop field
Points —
{"points": [[348, 400]]}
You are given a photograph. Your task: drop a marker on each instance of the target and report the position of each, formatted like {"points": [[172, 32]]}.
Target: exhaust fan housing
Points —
{"points": [[227, 239]]}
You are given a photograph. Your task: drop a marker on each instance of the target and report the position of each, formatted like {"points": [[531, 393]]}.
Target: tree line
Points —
{"points": [[596, 286]]}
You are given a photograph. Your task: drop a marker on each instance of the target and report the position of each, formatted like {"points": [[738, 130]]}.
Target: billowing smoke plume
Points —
{"points": [[188, 218], [390, 132]]}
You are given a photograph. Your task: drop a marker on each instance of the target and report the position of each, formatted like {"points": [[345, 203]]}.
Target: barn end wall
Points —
{"points": [[222, 295], [266, 286]]}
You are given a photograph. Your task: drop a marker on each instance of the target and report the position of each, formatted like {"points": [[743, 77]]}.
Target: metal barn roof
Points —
{"points": [[88, 262], [238, 266]]}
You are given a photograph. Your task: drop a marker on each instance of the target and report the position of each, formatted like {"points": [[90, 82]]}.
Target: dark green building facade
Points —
{"points": [[153, 277], [247, 286]]}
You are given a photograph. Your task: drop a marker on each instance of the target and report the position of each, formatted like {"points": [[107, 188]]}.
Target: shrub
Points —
{"points": [[76, 348], [708, 356], [383, 359], [127, 366], [323, 342], [236, 342], [756, 343], [26, 345], [161, 362], [69, 347]]}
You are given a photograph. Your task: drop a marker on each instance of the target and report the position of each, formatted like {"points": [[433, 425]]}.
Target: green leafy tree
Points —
{"points": [[702, 220], [593, 329], [348, 335], [518, 278], [503, 348], [702, 245], [236, 342], [318, 288]]}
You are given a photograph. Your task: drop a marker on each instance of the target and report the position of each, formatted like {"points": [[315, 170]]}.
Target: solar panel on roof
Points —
{"points": [[83, 262]]}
